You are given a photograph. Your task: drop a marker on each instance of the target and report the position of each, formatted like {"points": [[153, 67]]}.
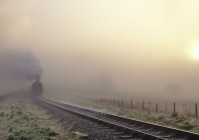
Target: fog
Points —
{"points": [[107, 48], [18, 68]]}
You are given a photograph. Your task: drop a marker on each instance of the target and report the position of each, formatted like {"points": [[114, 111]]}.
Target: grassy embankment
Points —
{"points": [[23, 120]]}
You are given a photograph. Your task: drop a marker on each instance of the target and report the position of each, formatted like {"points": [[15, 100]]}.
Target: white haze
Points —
{"points": [[18, 69], [112, 48]]}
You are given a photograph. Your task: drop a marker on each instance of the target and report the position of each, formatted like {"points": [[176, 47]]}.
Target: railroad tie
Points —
{"points": [[168, 136], [118, 133], [147, 130], [110, 130], [102, 127], [125, 137], [157, 133]]}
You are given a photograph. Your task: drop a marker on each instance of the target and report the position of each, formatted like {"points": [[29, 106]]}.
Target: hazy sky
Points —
{"points": [[132, 45]]}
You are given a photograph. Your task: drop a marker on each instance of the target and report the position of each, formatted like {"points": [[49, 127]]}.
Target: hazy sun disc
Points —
{"points": [[195, 52]]}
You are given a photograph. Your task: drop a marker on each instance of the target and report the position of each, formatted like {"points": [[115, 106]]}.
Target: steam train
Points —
{"points": [[37, 88]]}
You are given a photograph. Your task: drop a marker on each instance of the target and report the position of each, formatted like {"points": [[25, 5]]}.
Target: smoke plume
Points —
{"points": [[18, 64]]}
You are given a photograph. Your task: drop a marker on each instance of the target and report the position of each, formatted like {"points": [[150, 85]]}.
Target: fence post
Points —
{"points": [[196, 110], [174, 108], [122, 103], [143, 105], [131, 104], [156, 107], [185, 107], [149, 105]]}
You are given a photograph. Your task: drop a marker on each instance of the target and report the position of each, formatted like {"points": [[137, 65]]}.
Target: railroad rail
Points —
{"points": [[125, 128]]}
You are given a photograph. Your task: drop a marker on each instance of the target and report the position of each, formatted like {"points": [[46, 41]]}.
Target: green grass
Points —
{"points": [[21, 122]]}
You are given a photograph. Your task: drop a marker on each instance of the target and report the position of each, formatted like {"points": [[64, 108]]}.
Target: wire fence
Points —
{"points": [[173, 108]]}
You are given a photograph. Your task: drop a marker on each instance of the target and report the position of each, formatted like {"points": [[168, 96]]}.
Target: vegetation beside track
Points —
{"points": [[23, 120]]}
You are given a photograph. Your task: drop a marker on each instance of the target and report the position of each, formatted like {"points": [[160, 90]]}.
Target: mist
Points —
{"points": [[102, 48], [18, 68]]}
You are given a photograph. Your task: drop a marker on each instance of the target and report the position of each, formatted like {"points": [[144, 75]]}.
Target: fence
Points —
{"points": [[3, 98], [187, 109]]}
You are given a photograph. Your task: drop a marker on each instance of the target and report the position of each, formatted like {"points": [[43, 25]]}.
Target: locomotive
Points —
{"points": [[37, 88]]}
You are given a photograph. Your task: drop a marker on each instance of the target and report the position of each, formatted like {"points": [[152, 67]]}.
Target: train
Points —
{"points": [[37, 88]]}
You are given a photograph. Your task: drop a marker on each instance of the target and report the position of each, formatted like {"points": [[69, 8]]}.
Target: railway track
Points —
{"points": [[122, 127]]}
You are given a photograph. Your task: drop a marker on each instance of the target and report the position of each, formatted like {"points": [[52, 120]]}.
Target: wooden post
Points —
{"points": [[174, 107], [143, 105], [185, 107], [196, 110], [156, 107], [149, 105], [122, 103], [131, 104]]}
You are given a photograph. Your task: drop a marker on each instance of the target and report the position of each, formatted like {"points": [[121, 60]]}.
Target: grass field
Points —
{"points": [[23, 120]]}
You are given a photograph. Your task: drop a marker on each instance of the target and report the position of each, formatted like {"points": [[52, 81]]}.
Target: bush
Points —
{"points": [[50, 131], [2, 114], [186, 126], [174, 114], [11, 137], [19, 112], [26, 118], [23, 137]]}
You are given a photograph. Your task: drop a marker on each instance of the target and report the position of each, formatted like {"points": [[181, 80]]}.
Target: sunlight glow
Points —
{"points": [[195, 52]]}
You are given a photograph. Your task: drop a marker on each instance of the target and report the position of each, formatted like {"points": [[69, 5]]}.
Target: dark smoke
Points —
{"points": [[19, 65]]}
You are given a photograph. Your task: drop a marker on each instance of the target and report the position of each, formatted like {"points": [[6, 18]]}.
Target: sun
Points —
{"points": [[195, 51]]}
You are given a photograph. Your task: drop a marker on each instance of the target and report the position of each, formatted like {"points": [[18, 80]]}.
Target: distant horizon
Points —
{"points": [[108, 45]]}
